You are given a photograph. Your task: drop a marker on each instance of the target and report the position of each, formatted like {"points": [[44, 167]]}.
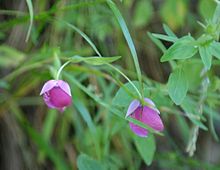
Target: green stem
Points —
{"points": [[120, 72], [61, 68]]}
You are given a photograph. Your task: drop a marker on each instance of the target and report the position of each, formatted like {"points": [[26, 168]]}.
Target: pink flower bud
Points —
{"points": [[148, 115], [56, 94]]}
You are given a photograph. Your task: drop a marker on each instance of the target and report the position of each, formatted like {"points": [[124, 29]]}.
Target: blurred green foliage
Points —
{"points": [[92, 133]]}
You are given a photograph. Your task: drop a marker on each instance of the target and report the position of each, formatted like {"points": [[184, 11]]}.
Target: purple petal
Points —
{"points": [[59, 98], [148, 116], [46, 98], [151, 118], [48, 85], [64, 86], [149, 101], [142, 132], [132, 107]]}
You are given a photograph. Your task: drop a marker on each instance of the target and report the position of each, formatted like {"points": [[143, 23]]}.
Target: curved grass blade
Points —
{"points": [[169, 31], [31, 13], [128, 38], [85, 37]]}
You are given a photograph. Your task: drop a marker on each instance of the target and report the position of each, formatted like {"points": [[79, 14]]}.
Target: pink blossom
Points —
{"points": [[56, 94], [148, 115]]}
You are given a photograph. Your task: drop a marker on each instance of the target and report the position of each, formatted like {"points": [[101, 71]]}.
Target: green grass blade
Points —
{"points": [[169, 31], [31, 13], [85, 37], [157, 42], [127, 37], [165, 37]]}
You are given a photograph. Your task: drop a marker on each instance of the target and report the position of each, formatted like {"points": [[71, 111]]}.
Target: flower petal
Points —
{"points": [[151, 118], [59, 98], [48, 85], [132, 107], [142, 132], [64, 86], [149, 101], [46, 98], [152, 104]]}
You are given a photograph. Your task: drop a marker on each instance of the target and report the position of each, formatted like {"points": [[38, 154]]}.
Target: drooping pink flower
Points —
{"points": [[56, 94], [148, 115]]}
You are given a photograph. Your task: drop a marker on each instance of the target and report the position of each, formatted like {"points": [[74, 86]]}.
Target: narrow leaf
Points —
{"points": [[127, 36], [146, 148], [182, 49], [168, 31], [85, 37], [206, 56], [165, 37], [215, 49], [158, 43], [31, 13], [177, 86], [94, 60], [216, 17]]}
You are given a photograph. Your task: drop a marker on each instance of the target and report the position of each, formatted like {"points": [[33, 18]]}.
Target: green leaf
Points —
{"points": [[146, 147], [165, 37], [182, 49], [84, 162], [94, 60], [31, 13], [157, 42], [206, 56], [215, 49], [168, 31], [10, 57], [178, 85], [216, 17], [143, 13], [126, 94]]}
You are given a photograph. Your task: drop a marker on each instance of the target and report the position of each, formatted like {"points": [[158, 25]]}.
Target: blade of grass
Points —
{"points": [[31, 13], [165, 37], [85, 37], [157, 42], [169, 31], [128, 38]]}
